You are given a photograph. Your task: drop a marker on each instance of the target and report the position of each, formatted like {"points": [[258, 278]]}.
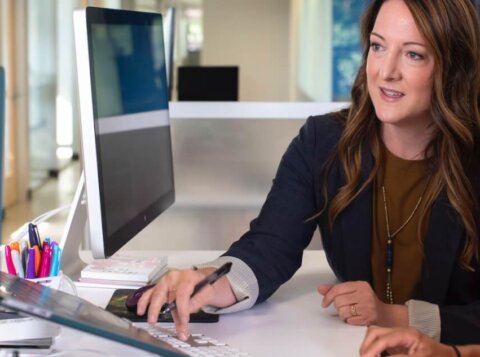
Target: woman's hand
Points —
{"points": [[357, 304], [406, 341], [178, 285]]}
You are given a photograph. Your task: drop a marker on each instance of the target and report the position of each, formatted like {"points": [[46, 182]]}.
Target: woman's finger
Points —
{"points": [[389, 339], [337, 290]]}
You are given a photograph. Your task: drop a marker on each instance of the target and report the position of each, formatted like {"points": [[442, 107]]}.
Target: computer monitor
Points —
{"points": [[207, 83], [169, 40], [126, 143]]}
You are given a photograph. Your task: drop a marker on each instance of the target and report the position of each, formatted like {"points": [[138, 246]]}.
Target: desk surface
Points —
{"points": [[292, 322]]}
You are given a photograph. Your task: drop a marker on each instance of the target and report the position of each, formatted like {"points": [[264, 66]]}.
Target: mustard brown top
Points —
{"points": [[404, 182]]}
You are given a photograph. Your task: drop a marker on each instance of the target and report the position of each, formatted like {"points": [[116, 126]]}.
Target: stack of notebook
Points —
{"points": [[124, 270]]}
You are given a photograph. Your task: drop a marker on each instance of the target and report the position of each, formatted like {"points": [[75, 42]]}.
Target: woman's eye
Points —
{"points": [[375, 46], [415, 56]]}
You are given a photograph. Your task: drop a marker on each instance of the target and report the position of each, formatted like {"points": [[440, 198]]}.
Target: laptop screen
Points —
{"points": [[56, 306]]}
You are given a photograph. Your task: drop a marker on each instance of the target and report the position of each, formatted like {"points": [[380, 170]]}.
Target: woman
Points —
{"points": [[410, 342], [391, 182]]}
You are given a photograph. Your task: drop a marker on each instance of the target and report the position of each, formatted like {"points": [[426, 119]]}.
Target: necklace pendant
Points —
{"points": [[390, 236], [389, 257]]}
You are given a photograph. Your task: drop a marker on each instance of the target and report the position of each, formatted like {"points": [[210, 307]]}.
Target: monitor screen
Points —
{"points": [[126, 143], [207, 83]]}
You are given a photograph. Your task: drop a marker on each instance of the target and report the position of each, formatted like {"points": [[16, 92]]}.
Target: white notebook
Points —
{"points": [[124, 267]]}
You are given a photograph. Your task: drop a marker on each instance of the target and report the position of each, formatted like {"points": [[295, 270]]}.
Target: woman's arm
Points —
{"points": [[273, 247]]}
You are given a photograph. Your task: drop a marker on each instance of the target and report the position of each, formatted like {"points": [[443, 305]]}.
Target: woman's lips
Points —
{"points": [[390, 94]]}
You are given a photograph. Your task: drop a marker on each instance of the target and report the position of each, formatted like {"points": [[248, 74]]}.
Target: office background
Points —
{"points": [[287, 51]]}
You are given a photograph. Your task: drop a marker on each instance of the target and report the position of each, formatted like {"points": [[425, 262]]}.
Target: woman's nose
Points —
{"points": [[390, 68]]}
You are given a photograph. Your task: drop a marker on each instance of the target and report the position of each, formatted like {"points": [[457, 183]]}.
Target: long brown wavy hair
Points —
{"points": [[451, 29]]}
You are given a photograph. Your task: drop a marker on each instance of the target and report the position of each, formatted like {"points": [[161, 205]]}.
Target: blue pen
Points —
{"points": [[59, 259], [37, 236], [33, 235], [55, 260]]}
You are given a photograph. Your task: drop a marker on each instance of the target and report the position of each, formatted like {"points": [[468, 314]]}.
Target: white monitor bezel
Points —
{"points": [[89, 145]]}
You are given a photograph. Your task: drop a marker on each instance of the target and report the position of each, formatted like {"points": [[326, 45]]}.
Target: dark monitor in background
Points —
{"points": [[207, 83], [125, 125]]}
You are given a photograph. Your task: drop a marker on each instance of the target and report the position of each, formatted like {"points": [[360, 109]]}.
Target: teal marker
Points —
{"points": [[56, 256]]}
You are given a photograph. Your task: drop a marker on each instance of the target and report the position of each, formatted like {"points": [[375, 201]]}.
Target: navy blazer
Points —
{"points": [[273, 247]]}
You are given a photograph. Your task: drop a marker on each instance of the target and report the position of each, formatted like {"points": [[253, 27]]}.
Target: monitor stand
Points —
{"points": [[74, 234]]}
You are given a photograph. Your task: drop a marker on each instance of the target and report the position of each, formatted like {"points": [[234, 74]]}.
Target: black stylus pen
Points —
{"points": [[210, 279]]}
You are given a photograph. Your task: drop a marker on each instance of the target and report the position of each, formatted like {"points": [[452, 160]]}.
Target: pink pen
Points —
{"points": [[45, 262], [50, 258], [8, 259]]}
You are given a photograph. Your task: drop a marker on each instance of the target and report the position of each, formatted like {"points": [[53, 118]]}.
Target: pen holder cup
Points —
{"points": [[60, 282]]}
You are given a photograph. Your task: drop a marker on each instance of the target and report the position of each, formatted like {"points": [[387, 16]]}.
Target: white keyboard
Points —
{"points": [[196, 345]]}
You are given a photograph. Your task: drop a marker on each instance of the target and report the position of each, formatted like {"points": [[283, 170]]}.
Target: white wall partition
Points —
{"points": [[225, 157]]}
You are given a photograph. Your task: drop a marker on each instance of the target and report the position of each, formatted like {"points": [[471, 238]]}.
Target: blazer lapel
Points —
{"points": [[356, 228], [441, 247], [357, 237]]}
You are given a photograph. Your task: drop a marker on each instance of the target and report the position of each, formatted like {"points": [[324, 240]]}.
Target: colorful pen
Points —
{"points": [[38, 258], [17, 263], [32, 235], [15, 246], [45, 263], [47, 239], [31, 264], [37, 236], [59, 260], [50, 259], [8, 260], [55, 260]]}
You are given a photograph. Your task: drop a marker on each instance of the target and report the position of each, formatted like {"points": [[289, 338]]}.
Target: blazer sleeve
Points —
{"points": [[460, 324], [273, 247], [460, 314]]}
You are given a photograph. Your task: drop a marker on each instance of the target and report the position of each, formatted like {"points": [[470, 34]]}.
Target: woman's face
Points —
{"points": [[399, 68]]}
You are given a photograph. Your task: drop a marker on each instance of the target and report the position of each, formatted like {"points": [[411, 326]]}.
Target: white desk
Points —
{"points": [[291, 323]]}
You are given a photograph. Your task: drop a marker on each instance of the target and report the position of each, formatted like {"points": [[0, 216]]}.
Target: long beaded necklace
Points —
{"points": [[390, 237]]}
